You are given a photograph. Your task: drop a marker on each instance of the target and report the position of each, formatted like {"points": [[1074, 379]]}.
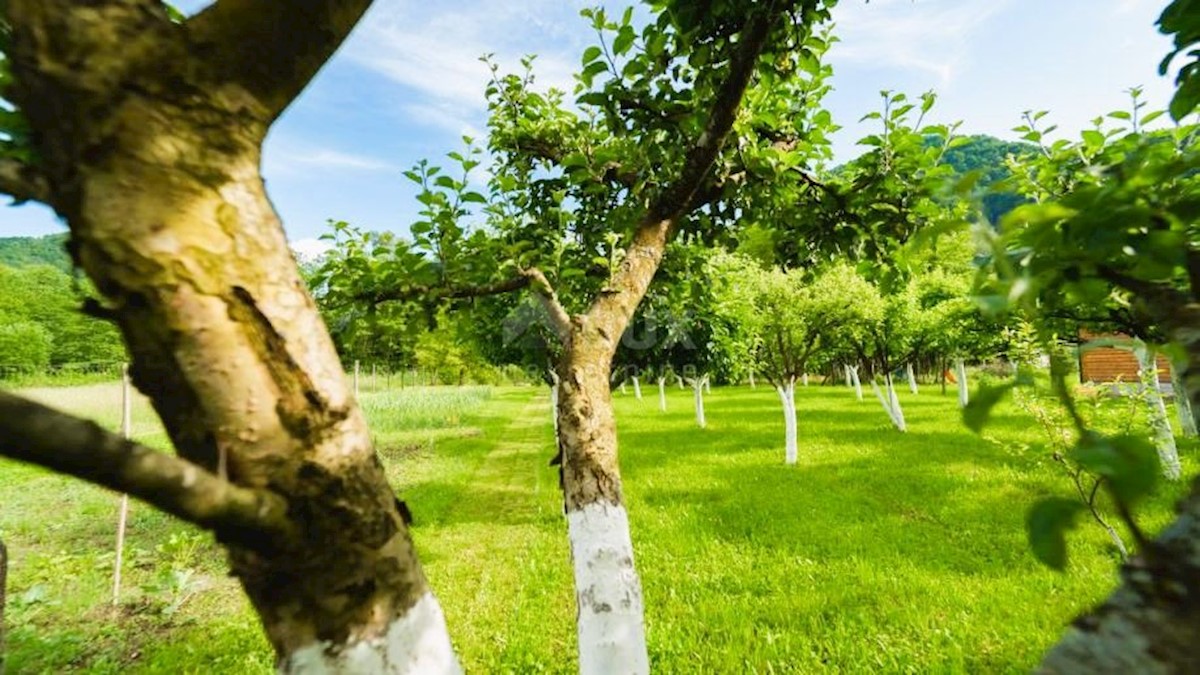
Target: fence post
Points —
{"points": [[123, 513]]}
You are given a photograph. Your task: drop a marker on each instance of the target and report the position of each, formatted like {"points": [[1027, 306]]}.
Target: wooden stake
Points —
{"points": [[123, 513]]}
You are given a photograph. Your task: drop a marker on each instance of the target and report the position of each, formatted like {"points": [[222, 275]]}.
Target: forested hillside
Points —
{"points": [[986, 154], [48, 250], [40, 301]]}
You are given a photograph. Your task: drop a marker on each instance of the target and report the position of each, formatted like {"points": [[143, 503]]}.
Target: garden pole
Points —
{"points": [[123, 513]]}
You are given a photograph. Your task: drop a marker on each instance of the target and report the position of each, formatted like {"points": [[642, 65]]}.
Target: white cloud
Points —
{"points": [[932, 36], [435, 49], [291, 158], [309, 250]]}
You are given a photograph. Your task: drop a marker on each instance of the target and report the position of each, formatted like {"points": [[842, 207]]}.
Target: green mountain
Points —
{"points": [[25, 251]]}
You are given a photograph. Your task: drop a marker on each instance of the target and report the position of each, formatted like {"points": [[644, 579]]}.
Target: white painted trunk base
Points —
{"points": [[415, 644], [623, 390], [612, 634], [707, 385], [890, 402], [912, 379], [896, 409], [662, 394], [787, 396], [752, 384], [1164, 439], [858, 392], [554, 408], [637, 388], [698, 400], [804, 379], [1183, 404], [964, 395]]}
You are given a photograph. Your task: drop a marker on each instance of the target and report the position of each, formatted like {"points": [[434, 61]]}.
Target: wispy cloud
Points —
{"points": [[932, 36], [434, 50], [293, 157]]}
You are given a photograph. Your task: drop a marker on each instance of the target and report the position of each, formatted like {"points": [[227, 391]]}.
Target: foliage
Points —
{"points": [[1181, 19], [24, 343], [24, 251], [50, 300]]}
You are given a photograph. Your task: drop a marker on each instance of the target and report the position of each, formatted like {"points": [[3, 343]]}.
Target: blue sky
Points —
{"points": [[408, 84]]}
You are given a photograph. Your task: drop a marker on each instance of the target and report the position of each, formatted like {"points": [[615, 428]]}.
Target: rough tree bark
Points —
{"points": [[148, 135]]}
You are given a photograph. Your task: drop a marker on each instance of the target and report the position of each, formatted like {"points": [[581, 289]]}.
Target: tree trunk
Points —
{"points": [[149, 139], [912, 378], [1164, 439], [662, 393], [698, 401], [895, 403], [804, 379], [554, 396], [858, 392], [964, 392], [637, 388], [1183, 407], [787, 395], [752, 384], [608, 593]]}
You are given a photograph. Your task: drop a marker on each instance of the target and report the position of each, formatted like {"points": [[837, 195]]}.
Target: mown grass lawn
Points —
{"points": [[878, 552]]}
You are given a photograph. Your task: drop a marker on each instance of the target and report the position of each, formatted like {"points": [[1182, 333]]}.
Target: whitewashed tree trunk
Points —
{"points": [[849, 381], [623, 390], [1183, 405], [787, 396], [662, 393], [804, 379], [612, 637], [912, 378], [960, 371], [698, 398], [1164, 439], [895, 401], [679, 381], [707, 385], [883, 401], [554, 394], [752, 384], [637, 387], [416, 643], [858, 392]]}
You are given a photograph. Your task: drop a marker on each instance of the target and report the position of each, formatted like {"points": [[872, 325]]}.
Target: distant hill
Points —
{"points": [[25, 251], [986, 154]]}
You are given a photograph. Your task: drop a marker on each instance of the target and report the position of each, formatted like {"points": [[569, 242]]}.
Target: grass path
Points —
{"points": [[497, 553]]}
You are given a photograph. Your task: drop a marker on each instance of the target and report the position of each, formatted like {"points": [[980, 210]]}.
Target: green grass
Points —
{"points": [[878, 552]]}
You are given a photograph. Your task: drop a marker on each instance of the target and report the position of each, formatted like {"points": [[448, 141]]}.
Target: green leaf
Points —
{"points": [[977, 412], [1046, 524], [591, 54], [623, 41], [1129, 463]]}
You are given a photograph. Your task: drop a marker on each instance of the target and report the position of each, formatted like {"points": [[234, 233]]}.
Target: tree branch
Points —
{"points": [[700, 157], [23, 182], [1156, 294], [31, 432], [540, 285], [273, 47], [615, 306]]}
